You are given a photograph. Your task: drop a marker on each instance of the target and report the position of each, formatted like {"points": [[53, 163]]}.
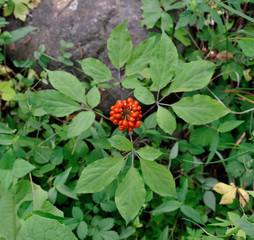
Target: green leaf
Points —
{"points": [[7, 91], [40, 228], [21, 168], [192, 214], [65, 190], [93, 97], [80, 123], [229, 125], [216, 17], [132, 82], [163, 62], [166, 22], [21, 32], [9, 222], [180, 35], [158, 178], [96, 70], [82, 230], [193, 76], [166, 207], [130, 195], [151, 13], [67, 84], [144, 95], [166, 120], [199, 109], [149, 153], [97, 175], [246, 226], [55, 103], [209, 200], [202, 136], [62, 177], [247, 47], [121, 143], [119, 45], [140, 57]]}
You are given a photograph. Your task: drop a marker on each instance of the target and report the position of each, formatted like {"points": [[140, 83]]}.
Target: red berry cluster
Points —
{"points": [[126, 114]]}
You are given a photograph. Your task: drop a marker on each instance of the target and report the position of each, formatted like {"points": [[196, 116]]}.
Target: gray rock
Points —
{"points": [[85, 23]]}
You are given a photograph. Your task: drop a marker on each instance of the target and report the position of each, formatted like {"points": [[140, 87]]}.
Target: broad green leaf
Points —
{"points": [[151, 13], [149, 153], [193, 76], [140, 57], [132, 82], [158, 178], [209, 200], [121, 143], [21, 168], [55, 103], [80, 123], [93, 97], [246, 226], [82, 230], [96, 70], [119, 45], [144, 95], [130, 195], [97, 175], [174, 151], [21, 32], [163, 62], [199, 109], [247, 47], [77, 213], [166, 207], [166, 22], [229, 125], [9, 223], [202, 136], [67, 84], [41, 228], [191, 213], [166, 120]]}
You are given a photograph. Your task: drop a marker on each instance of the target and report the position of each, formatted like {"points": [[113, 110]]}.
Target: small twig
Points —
{"points": [[234, 90], [27, 40], [80, 50], [240, 140], [74, 147], [249, 206], [209, 234]]}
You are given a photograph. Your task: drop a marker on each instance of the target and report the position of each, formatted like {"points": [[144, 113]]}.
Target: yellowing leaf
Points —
{"points": [[228, 192], [243, 195], [222, 188], [228, 197]]}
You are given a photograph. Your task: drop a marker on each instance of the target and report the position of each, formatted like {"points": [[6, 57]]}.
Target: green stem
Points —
{"points": [[234, 11]]}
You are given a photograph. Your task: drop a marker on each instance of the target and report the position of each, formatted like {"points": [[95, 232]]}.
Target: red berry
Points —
{"points": [[121, 128], [137, 124], [130, 129], [129, 100]]}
